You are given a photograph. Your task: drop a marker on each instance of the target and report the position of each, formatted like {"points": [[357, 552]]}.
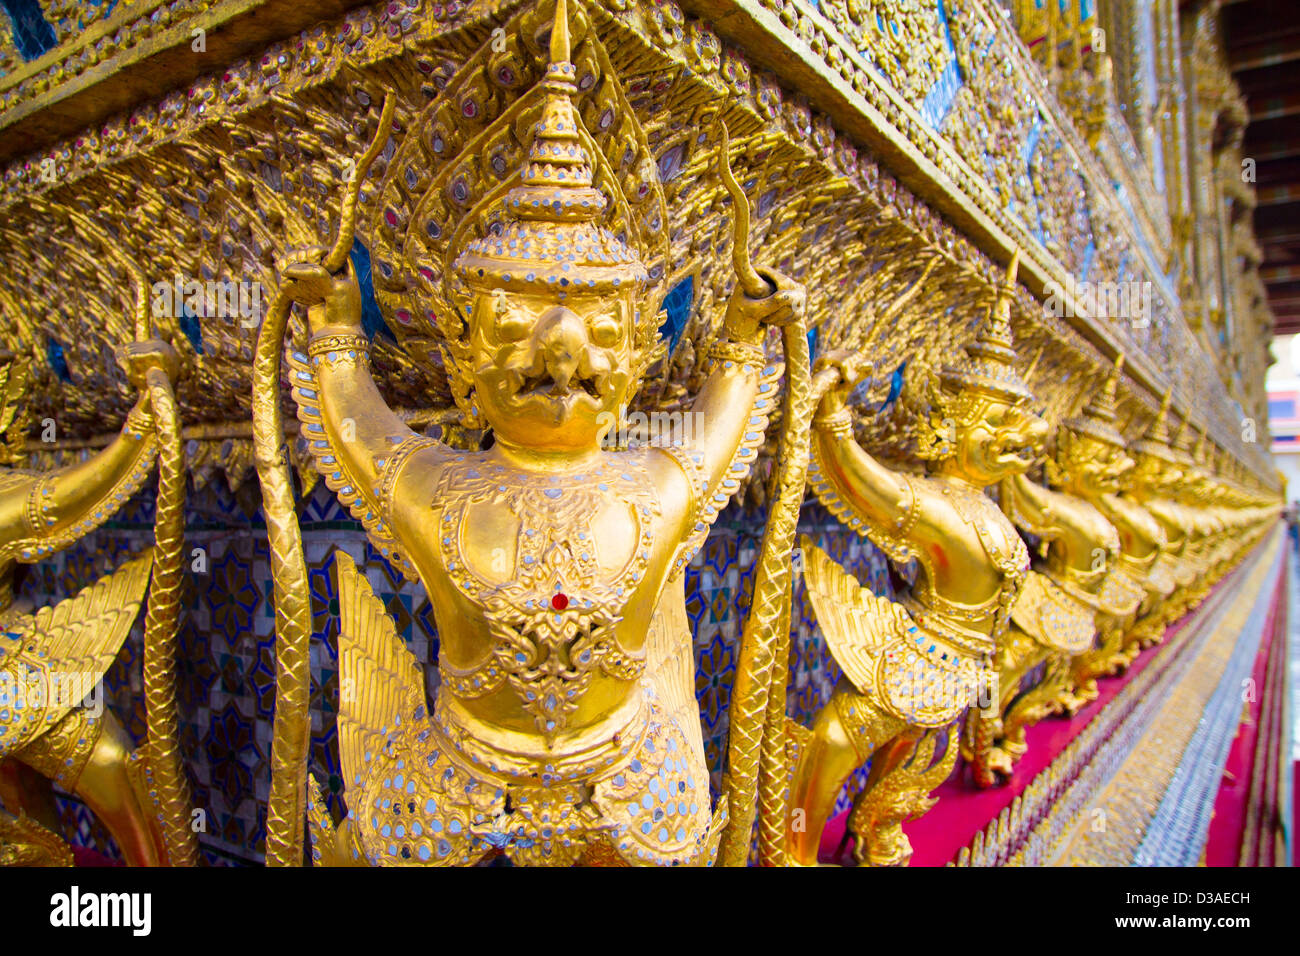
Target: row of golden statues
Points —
{"points": [[565, 728]]}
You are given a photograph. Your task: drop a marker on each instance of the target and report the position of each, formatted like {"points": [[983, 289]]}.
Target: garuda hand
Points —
{"points": [[847, 367], [137, 358], [305, 279], [786, 302]]}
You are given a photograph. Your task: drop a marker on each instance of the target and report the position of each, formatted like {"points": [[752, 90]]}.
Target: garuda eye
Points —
{"points": [[604, 331], [511, 326]]}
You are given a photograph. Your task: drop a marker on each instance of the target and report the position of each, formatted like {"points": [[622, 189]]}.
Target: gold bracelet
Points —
{"points": [[743, 353], [838, 423], [336, 345]]}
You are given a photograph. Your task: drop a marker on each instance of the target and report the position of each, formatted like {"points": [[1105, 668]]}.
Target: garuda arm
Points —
{"points": [[44, 513], [356, 441], [1030, 507], [733, 405], [861, 492]]}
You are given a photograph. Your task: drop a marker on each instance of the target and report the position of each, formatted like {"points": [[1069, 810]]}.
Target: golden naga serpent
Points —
{"points": [[160, 622], [162, 614], [287, 804], [761, 673], [756, 743]]}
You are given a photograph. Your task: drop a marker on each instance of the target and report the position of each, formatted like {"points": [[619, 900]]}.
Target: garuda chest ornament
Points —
{"points": [[554, 618]]}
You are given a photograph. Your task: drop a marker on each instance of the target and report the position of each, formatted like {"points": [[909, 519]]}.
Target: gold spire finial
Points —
{"points": [[1198, 453], [1098, 416], [560, 33], [990, 363], [1179, 444], [1006, 292], [1158, 433], [1013, 271], [1112, 381]]}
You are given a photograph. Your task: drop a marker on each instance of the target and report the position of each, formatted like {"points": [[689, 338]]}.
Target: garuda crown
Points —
{"points": [[550, 238], [1097, 419], [990, 364], [492, 188], [1156, 443]]}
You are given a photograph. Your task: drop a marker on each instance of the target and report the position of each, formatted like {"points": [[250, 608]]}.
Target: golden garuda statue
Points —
{"points": [[1154, 484], [911, 668], [564, 728], [52, 718], [1093, 463], [1243, 513], [1187, 500], [1074, 589], [1201, 495], [1078, 605], [1143, 551]]}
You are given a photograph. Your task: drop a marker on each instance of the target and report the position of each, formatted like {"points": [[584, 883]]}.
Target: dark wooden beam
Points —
{"points": [[1274, 107], [1283, 290], [1272, 275], [1279, 235], [1267, 150], [1256, 56], [1270, 80], [1278, 171], [1278, 195]]}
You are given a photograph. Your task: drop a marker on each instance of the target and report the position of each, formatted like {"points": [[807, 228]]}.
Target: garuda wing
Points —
{"points": [[1120, 594], [380, 682], [857, 624], [905, 671], [1053, 618], [51, 659]]}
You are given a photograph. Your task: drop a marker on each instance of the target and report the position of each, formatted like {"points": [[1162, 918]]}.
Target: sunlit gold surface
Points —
{"points": [[549, 559], [1082, 552], [91, 755]]}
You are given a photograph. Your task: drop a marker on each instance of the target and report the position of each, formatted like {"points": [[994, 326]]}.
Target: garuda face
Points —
{"points": [[1000, 440], [551, 374], [1156, 476], [1093, 467]]}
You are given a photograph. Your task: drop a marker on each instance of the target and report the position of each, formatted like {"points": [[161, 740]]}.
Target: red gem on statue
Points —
{"points": [[559, 602]]}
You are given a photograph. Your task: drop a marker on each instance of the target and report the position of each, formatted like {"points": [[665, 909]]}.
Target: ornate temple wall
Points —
{"points": [[935, 136], [880, 144]]}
